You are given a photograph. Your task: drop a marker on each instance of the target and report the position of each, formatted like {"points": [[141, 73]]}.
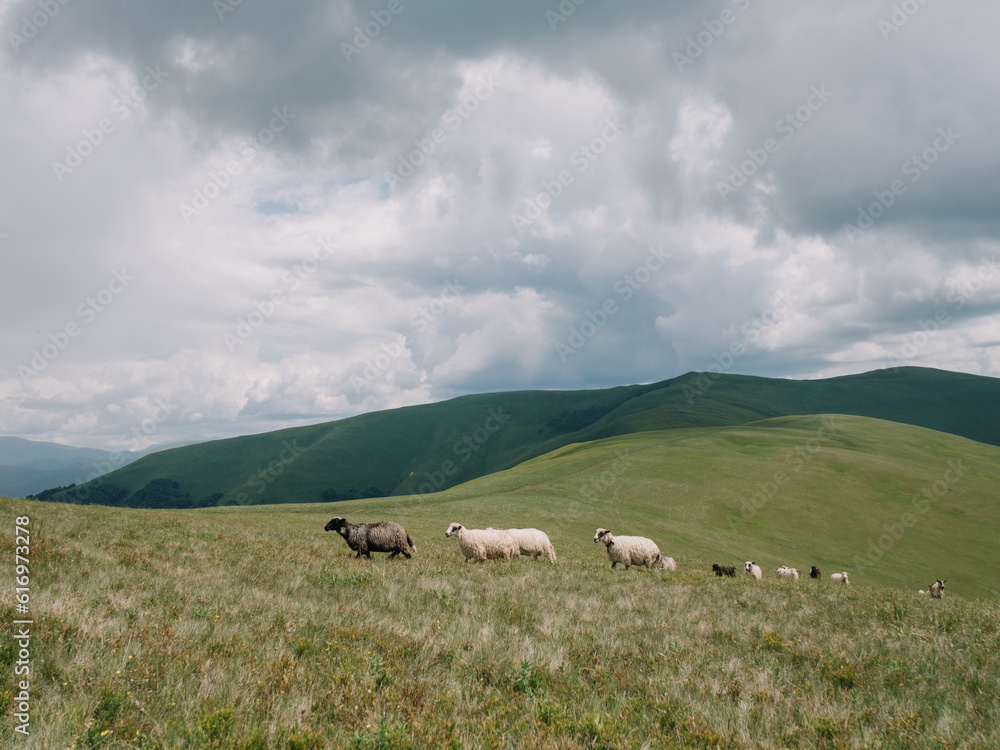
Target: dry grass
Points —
{"points": [[253, 629]]}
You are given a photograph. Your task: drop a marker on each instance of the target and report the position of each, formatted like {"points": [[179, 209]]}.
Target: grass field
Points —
{"points": [[252, 628]]}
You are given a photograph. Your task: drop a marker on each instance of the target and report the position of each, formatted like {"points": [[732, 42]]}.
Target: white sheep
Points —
{"points": [[667, 563], [785, 572], [532, 543], [484, 544], [628, 550], [936, 589], [753, 569], [840, 578]]}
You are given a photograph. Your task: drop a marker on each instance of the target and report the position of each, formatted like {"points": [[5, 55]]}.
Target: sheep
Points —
{"points": [[724, 570], [484, 544], [753, 569], [667, 563], [531, 542], [814, 572], [628, 550], [785, 572], [840, 578], [380, 536], [936, 589]]}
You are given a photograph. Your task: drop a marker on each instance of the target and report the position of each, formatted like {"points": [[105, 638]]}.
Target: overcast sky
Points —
{"points": [[226, 218]]}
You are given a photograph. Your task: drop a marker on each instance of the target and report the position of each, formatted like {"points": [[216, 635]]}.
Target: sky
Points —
{"points": [[224, 218]]}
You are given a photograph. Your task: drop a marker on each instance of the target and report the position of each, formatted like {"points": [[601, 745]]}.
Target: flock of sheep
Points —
{"points": [[506, 544]]}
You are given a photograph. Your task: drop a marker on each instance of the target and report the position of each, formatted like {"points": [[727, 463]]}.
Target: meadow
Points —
{"points": [[250, 627]]}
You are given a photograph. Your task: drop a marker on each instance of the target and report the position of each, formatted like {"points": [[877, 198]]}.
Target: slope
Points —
{"points": [[431, 447]]}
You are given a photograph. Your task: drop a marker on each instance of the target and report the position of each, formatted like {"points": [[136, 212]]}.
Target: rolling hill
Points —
{"points": [[431, 447]]}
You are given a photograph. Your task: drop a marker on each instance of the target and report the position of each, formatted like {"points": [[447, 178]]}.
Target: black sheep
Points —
{"points": [[380, 536]]}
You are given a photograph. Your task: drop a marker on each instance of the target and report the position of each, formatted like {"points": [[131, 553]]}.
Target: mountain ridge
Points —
{"points": [[430, 447]]}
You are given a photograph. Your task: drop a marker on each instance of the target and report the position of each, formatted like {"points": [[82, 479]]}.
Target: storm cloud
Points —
{"points": [[227, 217]]}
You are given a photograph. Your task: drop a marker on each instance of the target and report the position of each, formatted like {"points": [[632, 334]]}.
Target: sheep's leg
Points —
{"points": [[613, 564], [406, 554], [395, 552]]}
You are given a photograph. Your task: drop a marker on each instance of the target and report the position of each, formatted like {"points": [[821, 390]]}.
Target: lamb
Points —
{"points": [[936, 589], [484, 544], [667, 563], [724, 570], [380, 536], [840, 578], [531, 542], [814, 572], [785, 572], [753, 569], [628, 550]]}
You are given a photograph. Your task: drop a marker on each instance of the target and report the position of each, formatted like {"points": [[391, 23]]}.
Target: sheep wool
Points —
{"points": [[484, 544], [533, 543], [667, 563], [380, 536], [628, 550], [786, 572], [840, 578]]}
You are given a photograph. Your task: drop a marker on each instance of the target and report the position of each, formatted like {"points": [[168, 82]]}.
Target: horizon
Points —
{"points": [[182, 442], [222, 220]]}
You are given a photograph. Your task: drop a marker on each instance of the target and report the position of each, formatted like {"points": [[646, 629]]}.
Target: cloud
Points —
{"points": [[290, 216]]}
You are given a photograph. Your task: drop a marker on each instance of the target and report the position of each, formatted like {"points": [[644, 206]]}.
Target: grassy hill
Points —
{"points": [[435, 446], [252, 628]]}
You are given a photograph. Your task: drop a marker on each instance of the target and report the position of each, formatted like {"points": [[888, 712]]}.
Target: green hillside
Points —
{"points": [[251, 627], [435, 446]]}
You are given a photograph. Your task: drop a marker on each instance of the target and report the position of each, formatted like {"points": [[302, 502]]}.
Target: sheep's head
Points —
{"points": [[337, 524], [454, 529], [603, 535], [747, 565]]}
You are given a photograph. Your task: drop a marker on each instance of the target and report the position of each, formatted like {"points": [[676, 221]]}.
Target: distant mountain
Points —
{"points": [[45, 456], [30, 466], [431, 447]]}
